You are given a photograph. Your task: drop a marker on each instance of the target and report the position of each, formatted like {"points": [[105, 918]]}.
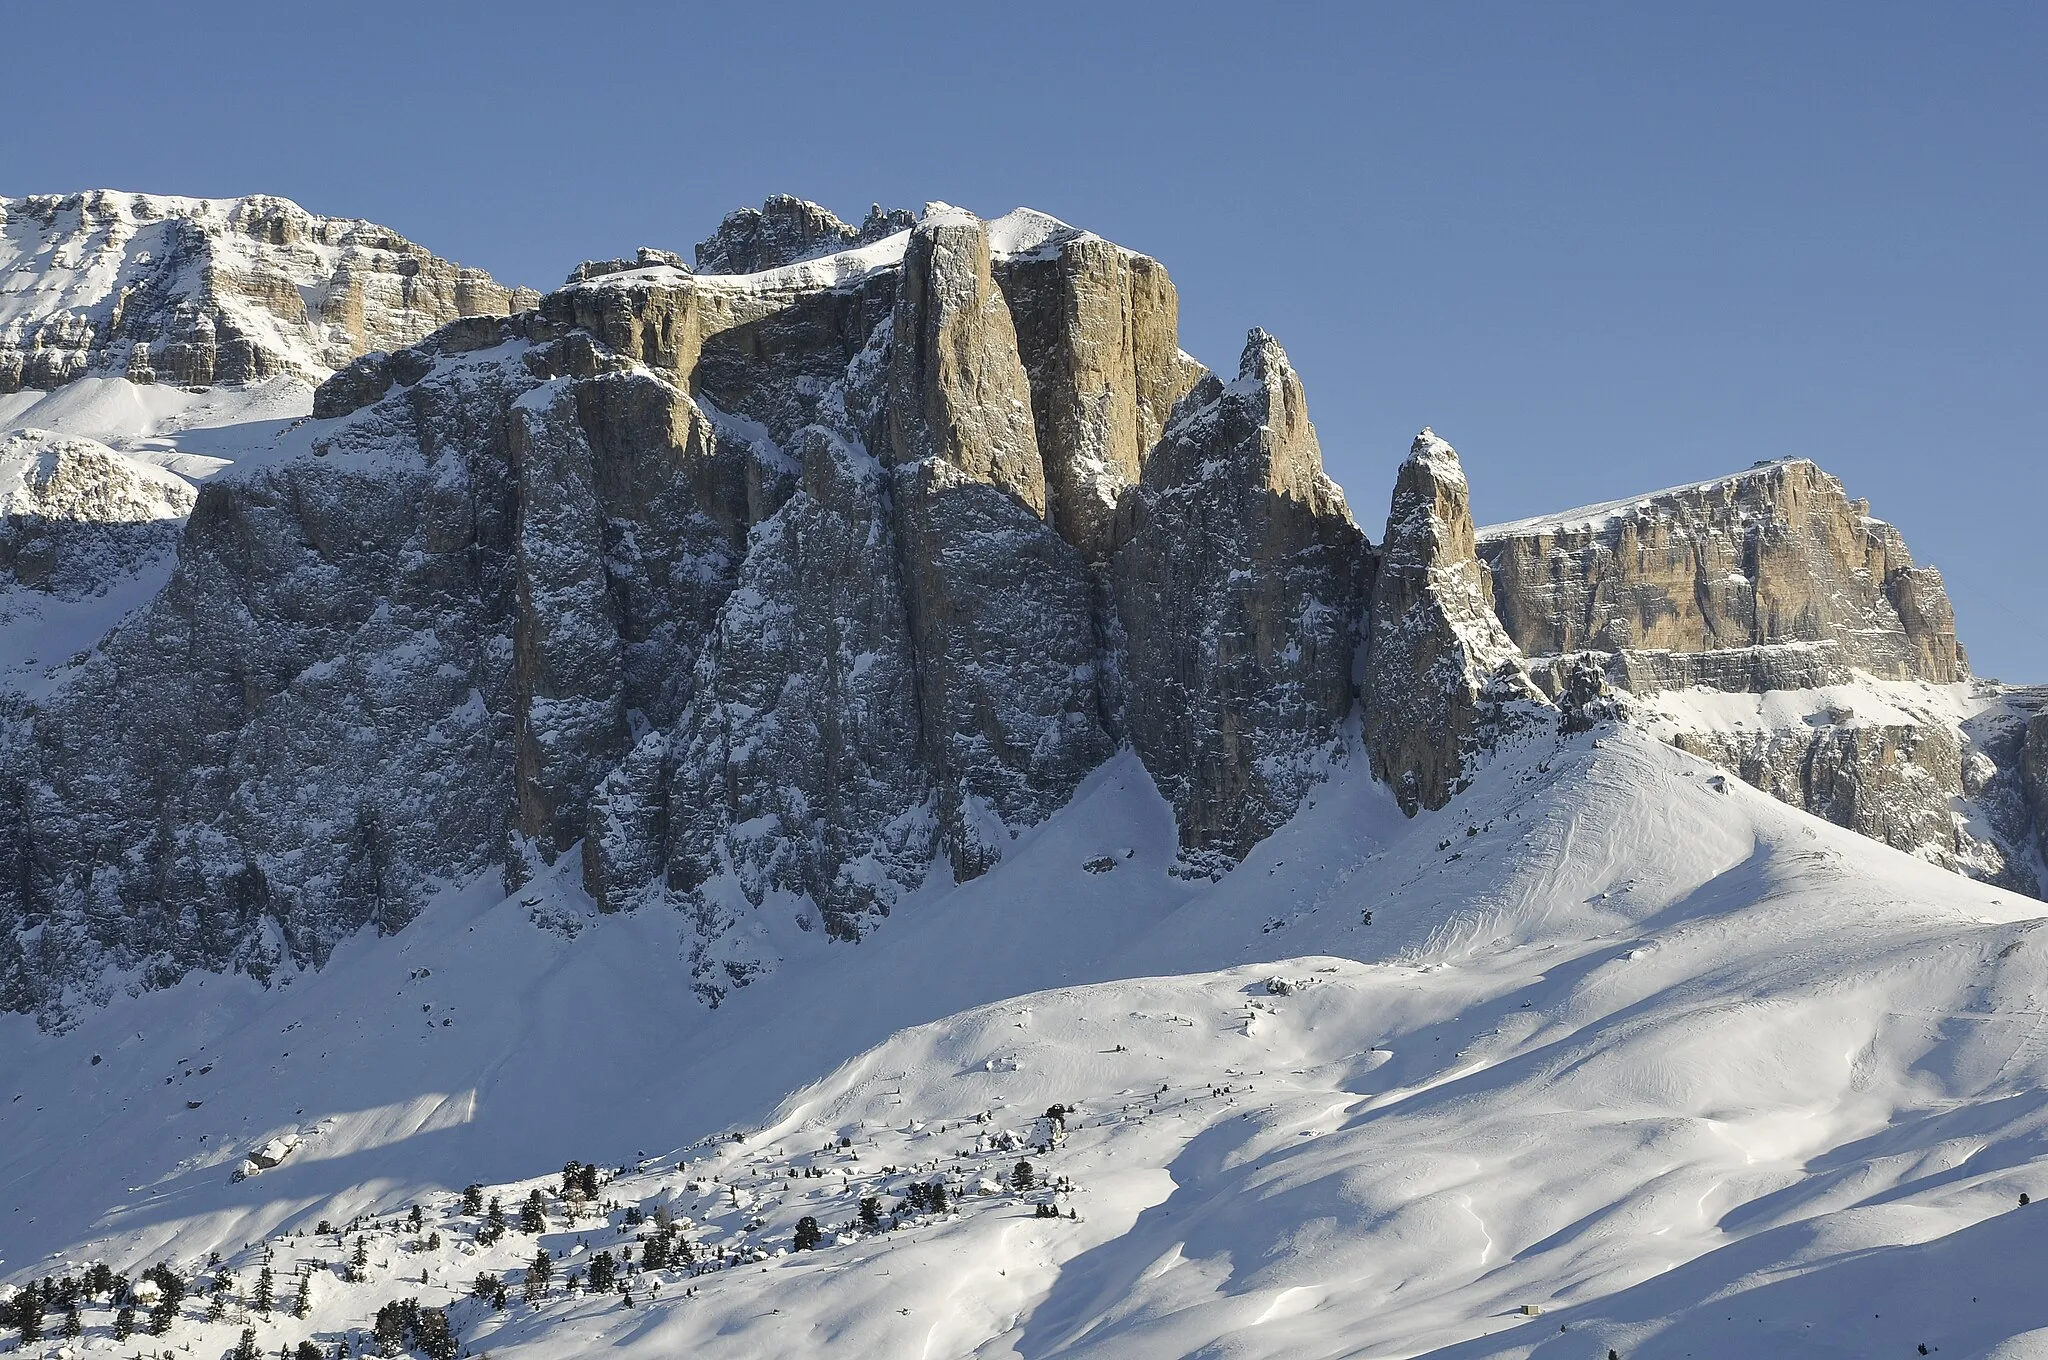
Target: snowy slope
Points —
{"points": [[1696, 1073]]}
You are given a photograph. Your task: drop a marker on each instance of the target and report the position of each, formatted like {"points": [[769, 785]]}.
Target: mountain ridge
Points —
{"points": [[581, 534]]}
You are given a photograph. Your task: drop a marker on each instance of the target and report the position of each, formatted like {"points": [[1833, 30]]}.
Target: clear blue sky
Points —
{"points": [[1601, 248]]}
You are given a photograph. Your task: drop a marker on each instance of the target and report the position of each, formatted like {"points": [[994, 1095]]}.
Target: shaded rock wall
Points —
{"points": [[1240, 582]]}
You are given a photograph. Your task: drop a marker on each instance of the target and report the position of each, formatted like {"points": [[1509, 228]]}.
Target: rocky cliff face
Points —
{"points": [[1441, 675], [760, 588], [1771, 579], [774, 587], [77, 513], [1240, 583], [1774, 581], [200, 291]]}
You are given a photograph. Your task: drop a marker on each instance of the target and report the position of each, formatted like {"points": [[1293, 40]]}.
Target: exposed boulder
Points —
{"points": [[1440, 671], [1240, 581]]}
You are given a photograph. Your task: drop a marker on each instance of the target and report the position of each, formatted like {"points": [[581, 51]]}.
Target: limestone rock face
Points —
{"points": [[1440, 671], [797, 765], [958, 393], [1771, 579], [2033, 763], [77, 514], [774, 587], [203, 291], [785, 230], [1098, 329], [1240, 582]]}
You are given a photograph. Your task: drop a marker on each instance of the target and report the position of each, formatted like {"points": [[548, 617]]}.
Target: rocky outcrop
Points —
{"points": [[958, 393], [203, 291], [1441, 675], [74, 514], [1098, 329], [1240, 582], [1771, 579], [776, 586], [785, 230]]}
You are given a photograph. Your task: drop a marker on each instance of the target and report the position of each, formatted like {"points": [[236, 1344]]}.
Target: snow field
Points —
{"points": [[1632, 1049]]}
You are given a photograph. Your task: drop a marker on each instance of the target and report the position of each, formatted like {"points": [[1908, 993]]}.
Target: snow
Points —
{"points": [[1589, 517], [1693, 1072]]}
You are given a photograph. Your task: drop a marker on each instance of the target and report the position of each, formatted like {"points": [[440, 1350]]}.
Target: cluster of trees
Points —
{"points": [[403, 1325], [31, 1310]]}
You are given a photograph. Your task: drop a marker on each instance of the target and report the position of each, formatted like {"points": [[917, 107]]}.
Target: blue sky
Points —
{"points": [[1602, 248]]}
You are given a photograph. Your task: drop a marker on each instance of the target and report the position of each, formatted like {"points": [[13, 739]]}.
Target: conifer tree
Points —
{"points": [[532, 1215], [124, 1323], [1022, 1177], [359, 1262], [217, 1300], [871, 1214], [808, 1235], [307, 1351], [266, 1291], [74, 1326], [602, 1273], [302, 1304], [415, 1219], [473, 1198], [245, 1349], [538, 1272]]}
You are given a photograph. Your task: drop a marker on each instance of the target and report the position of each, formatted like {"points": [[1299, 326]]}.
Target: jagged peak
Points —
{"points": [[787, 230]]}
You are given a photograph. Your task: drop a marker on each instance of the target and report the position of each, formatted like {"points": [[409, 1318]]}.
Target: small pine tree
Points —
{"points": [[245, 1349], [586, 1179], [74, 1326], [532, 1214], [654, 1256], [433, 1241], [124, 1323], [935, 1196], [1022, 1177], [217, 1299], [498, 1299], [266, 1291], [307, 1351], [472, 1198], [486, 1286], [432, 1335], [808, 1235], [415, 1219], [359, 1262], [538, 1272], [302, 1303], [28, 1315], [871, 1214], [602, 1273]]}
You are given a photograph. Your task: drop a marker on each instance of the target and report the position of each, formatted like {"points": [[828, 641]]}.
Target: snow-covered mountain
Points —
{"points": [[803, 742]]}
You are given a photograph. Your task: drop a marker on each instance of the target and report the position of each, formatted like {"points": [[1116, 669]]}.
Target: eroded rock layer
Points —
{"points": [[200, 291]]}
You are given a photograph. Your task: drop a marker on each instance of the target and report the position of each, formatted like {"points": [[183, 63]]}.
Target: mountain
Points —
{"points": [[782, 732]]}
